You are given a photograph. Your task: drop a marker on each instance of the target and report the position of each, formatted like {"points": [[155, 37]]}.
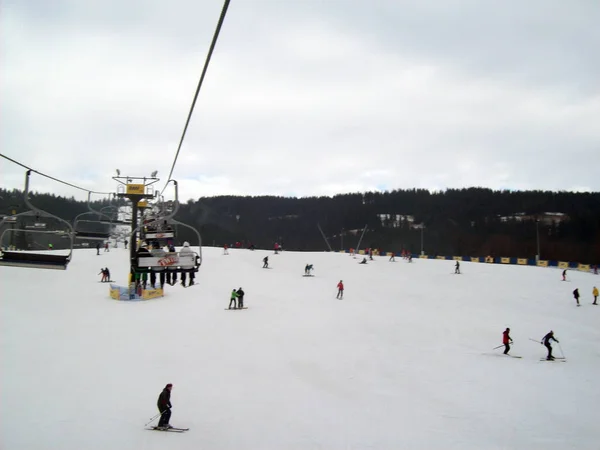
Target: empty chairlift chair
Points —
{"points": [[35, 238]]}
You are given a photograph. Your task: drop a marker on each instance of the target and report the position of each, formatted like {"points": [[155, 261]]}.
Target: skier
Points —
{"points": [[564, 275], [164, 407], [505, 340], [234, 296], [307, 269], [340, 287], [98, 248], [595, 269], [595, 294], [225, 249], [266, 262], [104, 277], [125, 242], [106, 249], [410, 258], [107, 273], [457, 268], [392, 257], [546, 342], [364, 261], [187, 251], [240, 294], [576, 295]]}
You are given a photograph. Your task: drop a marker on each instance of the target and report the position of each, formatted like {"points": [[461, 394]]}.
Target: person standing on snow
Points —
{"points": [[564, 275], [340, 287], [392, 257], [595, 294], [457, 268], [164, 407], [240, 294], [266, 262], [546, 341], [576, 295], [233, 299], [505, 340]]}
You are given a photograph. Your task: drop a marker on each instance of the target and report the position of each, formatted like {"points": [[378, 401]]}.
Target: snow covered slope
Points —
{"points": [[404, 361]]}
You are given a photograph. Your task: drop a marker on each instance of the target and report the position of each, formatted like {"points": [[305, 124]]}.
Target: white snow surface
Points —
{"points": [[404, 361]]}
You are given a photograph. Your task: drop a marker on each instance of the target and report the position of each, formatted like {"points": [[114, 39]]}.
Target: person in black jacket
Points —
{"points": [[240, 294], [546, 341], [164, 406]]}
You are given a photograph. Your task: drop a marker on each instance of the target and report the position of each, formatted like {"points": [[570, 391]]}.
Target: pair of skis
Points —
{"points": [[172, 430]]}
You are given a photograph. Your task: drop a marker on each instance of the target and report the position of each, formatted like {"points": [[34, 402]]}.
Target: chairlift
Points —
{"points": [[37, 259], [91, 232], [162, 230]]}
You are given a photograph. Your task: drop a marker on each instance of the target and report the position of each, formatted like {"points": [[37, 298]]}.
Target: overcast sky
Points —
{"points": [[303, 97]]}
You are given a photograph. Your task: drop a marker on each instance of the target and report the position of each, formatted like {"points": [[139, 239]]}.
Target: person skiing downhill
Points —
{"points": [[307, 269], [340, 287], [546, 341], [266, 262], [457, 268], [576, 295], [595, 294], [505, 340], [564, 275], [164, 407]]}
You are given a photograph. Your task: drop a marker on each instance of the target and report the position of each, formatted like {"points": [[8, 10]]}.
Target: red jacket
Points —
{"points": [[505, 337], [340, 286]]}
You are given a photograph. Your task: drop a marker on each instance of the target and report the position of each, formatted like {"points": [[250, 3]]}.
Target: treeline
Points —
{"points": [[466, 222]]}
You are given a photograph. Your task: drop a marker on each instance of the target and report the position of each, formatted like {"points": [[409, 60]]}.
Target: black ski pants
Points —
{"points": [[164, 418], [506, 349], [549, 347]]}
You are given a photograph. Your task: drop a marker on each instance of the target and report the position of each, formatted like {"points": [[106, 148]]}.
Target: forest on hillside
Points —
{"points": [[465, 222]]}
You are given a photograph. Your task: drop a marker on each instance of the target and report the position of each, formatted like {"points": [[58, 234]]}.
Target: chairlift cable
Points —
{"points": [[51, 177], [206, 63]]}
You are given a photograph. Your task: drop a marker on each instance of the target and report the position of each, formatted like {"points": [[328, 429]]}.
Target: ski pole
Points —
{"points": [[153, 419], [561, 352], [498, 347], [535, 340]]}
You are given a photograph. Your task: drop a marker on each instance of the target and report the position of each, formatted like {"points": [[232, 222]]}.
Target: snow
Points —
{"points": [[404, 361]]}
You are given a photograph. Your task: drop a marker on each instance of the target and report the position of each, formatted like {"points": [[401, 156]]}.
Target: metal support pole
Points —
{"points": [[360, 240], [323, 234], [537, 235]]}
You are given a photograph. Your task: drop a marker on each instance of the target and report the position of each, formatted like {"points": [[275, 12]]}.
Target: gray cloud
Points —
{"points": [[304, 98]]}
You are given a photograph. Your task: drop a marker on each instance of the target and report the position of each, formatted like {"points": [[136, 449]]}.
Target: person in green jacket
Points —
{"points": [[234, 296]]}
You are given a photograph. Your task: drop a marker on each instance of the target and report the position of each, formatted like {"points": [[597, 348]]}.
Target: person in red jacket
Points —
{"points": [[506, 339], [340, 287]]}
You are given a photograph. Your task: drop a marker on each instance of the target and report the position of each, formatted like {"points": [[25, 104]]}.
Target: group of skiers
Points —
{"points": [[576, 294], [105, 275], [106, 247], [507, 340], [165, 276], [237, 295]]}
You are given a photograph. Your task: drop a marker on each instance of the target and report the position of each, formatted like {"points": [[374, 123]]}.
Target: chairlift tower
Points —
{"points": [[138, 190]]}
